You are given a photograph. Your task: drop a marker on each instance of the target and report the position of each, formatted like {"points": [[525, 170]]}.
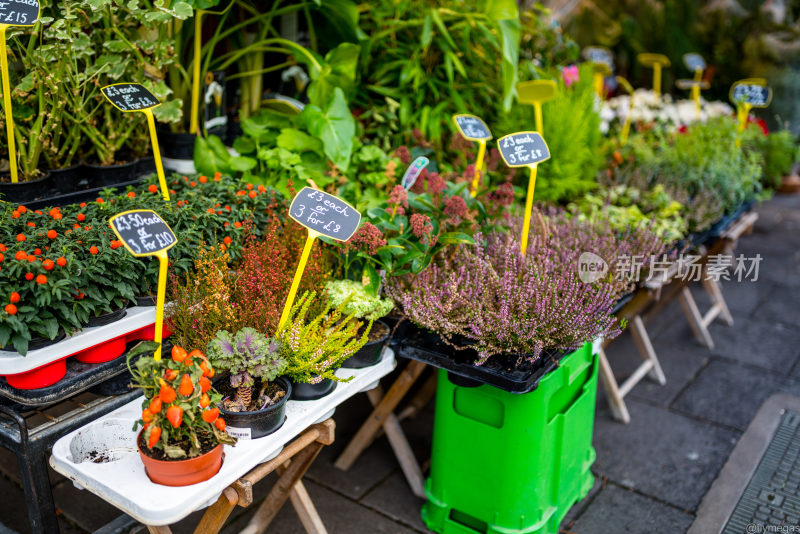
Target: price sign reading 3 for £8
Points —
{"points": [[144, 233]]}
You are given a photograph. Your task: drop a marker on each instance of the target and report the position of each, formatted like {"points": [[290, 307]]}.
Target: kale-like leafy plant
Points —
{"points": [[355, 299]]}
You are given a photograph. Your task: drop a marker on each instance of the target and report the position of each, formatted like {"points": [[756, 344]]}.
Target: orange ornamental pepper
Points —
{"points": [[167, 394], [187, 387], [175, 416], [155, 434]]}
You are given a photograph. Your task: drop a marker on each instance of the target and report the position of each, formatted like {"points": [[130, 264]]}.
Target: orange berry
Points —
{"points": [[99, 200], [41, 279], [192, 184], [15, 215], [131, 194], [21, 255], [253, 194], [52, 234], [93, 250], [210, 210], [203, 179], [37, 252], [22, 209], [3, 248], [14, 298], [81, 217], [31, 258], [217, 176], [249, 187], [48, 265], [29, 276], [32, 225], [20, 237], [83, 204], [2, 257], [261, 188], [62, 261], [10, 309], [153, 188], [227, 240], [237, 224]]}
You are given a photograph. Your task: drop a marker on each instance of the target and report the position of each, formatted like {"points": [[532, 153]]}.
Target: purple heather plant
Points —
{"points": [[509, 304]]}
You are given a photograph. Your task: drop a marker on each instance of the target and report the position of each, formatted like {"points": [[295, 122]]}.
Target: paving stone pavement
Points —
{"points": [[650, 474]]}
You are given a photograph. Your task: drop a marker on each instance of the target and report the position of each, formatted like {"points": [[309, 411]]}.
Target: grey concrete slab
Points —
{"points": [[763, 343], [393, 499], [781, 305], [617, 509], [730, 393], [668, 456], [340, 515]]}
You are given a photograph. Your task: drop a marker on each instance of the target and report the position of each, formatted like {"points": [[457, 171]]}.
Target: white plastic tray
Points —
{"points": [[137, 317], [124, 483]]}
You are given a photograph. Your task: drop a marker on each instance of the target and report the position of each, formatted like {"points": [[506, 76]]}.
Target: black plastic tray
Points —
{"points": [[107, 378], [507, 372], [79, 196], [718, 228]]}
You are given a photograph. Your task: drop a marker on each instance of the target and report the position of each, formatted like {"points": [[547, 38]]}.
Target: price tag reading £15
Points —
{"points": [[325, 214], [19, 12], [523, 149]]}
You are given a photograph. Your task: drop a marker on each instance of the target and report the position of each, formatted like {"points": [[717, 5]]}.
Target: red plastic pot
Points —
{"points": [[41, 377], [104, 352], [182, 472], [148, 333]]}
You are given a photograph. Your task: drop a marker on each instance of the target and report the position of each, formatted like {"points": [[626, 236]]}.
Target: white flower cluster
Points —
{"points": [[667, 112]]}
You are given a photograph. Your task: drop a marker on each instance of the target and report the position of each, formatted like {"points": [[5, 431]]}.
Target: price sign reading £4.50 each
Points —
{"points": [[524, 149], [144, 233], [323, 215], [131, 97]]}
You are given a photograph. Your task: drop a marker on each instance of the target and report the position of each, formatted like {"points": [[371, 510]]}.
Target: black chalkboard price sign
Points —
{"points": [[324, 214], [472, 128], [694, 61], [523, 149], [143, 232], [753, 94], [19, 12], [599, 54], [130, 97]]}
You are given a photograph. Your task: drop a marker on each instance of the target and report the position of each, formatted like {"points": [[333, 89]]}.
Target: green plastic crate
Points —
{"points": [[508, 463]]}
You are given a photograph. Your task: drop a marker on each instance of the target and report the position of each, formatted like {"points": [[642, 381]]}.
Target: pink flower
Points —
{"points": [[455, 208], [404, 155], [367, 238], [399, 196], [570, 74], [420, 224], [436, 184], [503, 195]]}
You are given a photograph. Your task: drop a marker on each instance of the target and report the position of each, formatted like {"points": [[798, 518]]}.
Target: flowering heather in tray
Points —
{"points": [[507, 303]]}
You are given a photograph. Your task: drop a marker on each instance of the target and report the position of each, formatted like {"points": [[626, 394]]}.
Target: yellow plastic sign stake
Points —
{"points": [[133, 97], [535, 92], [472, 128], [321, 214], [655, 62], [694, 85], [601, 70], [626, 128], [13, 13], [144, 233], [748, 94], [524, 149], [698, 79]]}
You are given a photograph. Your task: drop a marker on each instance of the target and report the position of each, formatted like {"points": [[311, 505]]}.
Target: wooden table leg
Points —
{"points": [[216, 515], [159, 530], [379, 415], [646, 350], [695, 319], [306, 510], [616, 402], [282, 488]]}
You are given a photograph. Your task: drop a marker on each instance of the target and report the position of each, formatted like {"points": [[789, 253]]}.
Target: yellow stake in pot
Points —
{"points": [[745, 95], [536, 92], [473, 128], [626, 128], [524, 149], [655, 62]]}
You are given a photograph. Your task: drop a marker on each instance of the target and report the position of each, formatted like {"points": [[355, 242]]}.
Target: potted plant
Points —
{"points": [[354, 300], [315, 345], [255, 401], [182, 433]]}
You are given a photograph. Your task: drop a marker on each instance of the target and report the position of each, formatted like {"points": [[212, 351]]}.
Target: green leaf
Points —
{"points": [[442, 28], [339, 70], [509, 30], [170, 111], [335, 126], [297, 141], [502, 10], [452, 238], [374, 278], [182, 10], [208, 160], [242, 163], [244, 145]]}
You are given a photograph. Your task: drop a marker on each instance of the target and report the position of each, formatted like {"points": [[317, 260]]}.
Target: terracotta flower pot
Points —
{"points": [[182, 472]]}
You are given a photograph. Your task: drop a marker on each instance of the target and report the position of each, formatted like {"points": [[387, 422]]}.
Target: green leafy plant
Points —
{"points": [[315, 347], [179, 414], [248, 355], [354, 299], [779, 152]]}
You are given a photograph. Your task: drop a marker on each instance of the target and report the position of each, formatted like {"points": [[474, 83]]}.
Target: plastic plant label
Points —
{"points": [[694, 61], [536, 91], [472, 128], [650, 60], [143, 232], [755, 94], [686, 84], [523, 149], [413, 172], [19, 12], [599, 54], [129, 97], [239, 433], [324, 214]]}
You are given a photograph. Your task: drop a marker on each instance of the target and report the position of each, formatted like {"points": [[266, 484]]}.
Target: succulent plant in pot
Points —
{"points": [[253, 361], [182, 433], [314, 348], [354, 299]]}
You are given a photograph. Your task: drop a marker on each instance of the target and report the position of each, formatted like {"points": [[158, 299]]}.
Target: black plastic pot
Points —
{"points": [[22, 192], [38, 342], [107, 318], [260, 422], [176, 145], [109, 175], [369, 354], [146, 300], [302, 391], [145, 166], [67, 180]]}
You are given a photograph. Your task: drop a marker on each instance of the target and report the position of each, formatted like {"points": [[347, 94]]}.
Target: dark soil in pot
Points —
{"points": [[302, 391], [22, 192], [256, 423], [370, 354], [107, 318]]}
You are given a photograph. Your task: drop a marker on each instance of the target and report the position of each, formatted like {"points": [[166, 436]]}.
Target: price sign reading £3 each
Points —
{"points": [[144, 233], [523, 149], [324, 214]]}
